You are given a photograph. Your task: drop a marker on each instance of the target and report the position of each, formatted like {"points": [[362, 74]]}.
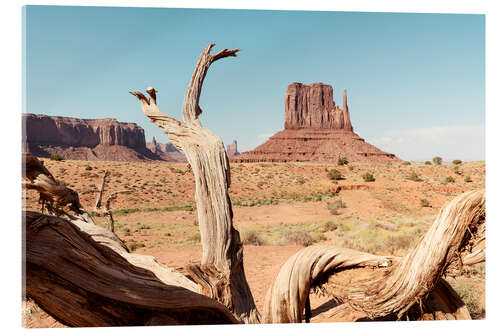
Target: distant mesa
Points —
{"points": [[85, 139], [96, 140], [315, 130]]}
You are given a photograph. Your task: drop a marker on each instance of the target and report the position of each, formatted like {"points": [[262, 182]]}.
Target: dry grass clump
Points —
{"points": [[252, 237], [133, 245], [334, 206], [425, 203], [300, 237], [334, 174], [378, 237], [368, 177], [342, 161], [469, 295], [56, 157], [449, 179], [414, 177]]}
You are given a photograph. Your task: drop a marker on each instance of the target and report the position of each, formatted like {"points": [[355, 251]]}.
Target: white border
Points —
{"points": [[11, 144]]}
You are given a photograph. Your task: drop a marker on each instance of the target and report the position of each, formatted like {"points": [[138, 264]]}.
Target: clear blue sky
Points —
{"points": [[415, 82]]}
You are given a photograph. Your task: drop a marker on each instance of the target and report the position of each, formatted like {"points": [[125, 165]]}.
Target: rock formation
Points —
{"points": [[85, 139], [166, 151], [312, 106], [232, 149], [315, 130]]}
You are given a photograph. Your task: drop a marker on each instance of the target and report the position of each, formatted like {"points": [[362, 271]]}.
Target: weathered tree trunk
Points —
{"points": [[394, 290], [221, 271], [458, 226], [83, 275]]}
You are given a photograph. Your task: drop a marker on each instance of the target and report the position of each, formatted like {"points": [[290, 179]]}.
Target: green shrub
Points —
{"points": [[458, 171], [428, 163], [334, 174], [468, 179], [406, 163], [449, 179], [56, 157], [342, 161], [437, 160], [425, 203], [351, 167], [88, 168], [415, 177], [457, 162], [368, 177]]}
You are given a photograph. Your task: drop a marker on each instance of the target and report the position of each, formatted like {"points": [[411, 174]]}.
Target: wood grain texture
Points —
{"points": [[404, 284], [82, 275], [222, 248]]}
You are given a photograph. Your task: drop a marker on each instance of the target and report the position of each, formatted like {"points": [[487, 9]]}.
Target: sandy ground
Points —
{"points": [[273, 200]]}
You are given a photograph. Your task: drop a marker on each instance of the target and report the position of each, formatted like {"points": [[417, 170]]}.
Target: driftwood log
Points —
{"points": [[83, 274]]}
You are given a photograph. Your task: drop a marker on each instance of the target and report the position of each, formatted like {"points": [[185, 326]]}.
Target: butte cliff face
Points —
{"points": [[312, 107], [315, 130], [85, 139], [232, 149]]}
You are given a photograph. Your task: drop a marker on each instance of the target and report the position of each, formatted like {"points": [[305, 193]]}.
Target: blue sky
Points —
{"points": [[415, 82]]}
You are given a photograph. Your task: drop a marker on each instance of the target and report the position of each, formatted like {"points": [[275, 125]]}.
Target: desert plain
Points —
{"points": [[279, 208]]}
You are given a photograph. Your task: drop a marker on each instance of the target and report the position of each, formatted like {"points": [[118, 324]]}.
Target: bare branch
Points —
{"points": [[190, 108], [101, 190]]}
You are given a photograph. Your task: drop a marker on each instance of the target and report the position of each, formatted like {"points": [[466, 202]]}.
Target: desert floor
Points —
{"points": [[278, 208]]}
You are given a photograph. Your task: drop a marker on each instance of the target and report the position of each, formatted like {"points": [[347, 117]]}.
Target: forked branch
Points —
{"points": [[222, 256]]}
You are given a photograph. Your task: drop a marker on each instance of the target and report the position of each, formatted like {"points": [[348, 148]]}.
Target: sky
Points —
{"points": [[415, 82]]}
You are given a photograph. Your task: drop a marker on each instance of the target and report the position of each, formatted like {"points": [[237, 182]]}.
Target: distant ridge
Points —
{"points": [[85, 139]]}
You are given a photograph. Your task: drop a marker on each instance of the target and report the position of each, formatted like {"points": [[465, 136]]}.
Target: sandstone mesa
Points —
{"points": [[316, 129]]}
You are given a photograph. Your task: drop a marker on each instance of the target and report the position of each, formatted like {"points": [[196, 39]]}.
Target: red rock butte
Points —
{"points": [[315, 130]]}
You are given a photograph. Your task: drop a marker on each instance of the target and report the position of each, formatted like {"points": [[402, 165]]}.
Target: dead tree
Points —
{"points": [[221, 272], [106, 210]]}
